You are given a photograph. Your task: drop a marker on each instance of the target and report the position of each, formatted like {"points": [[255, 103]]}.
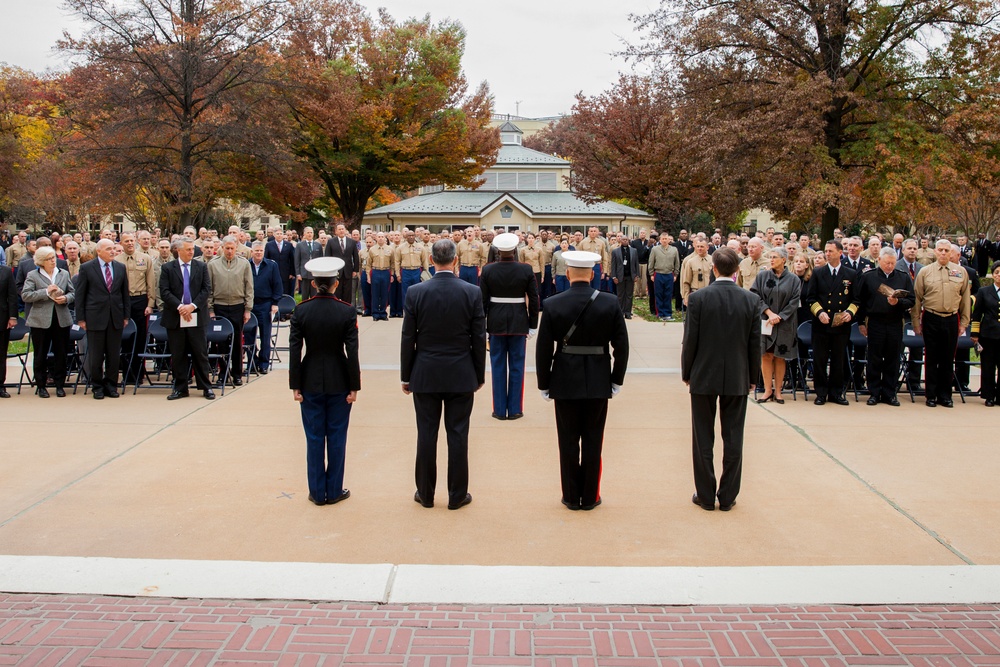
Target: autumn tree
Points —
{"points": [[859, 71], [164, 96], [374, 103]]}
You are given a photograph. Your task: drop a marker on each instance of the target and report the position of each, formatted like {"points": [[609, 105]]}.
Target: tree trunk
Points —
{"points": [[831, 220]]}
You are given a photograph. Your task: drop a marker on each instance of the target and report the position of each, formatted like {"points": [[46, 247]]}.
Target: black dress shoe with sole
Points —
{"points": [[931, 403], [344, 495], [872, 400], [60, 392], [840, 400], [110, 393], [263, 371], [726, 508], [988, 403], [42, 392], [894, 402], [237, 382], [462, 503], [515, 416], [209, 394], [819, 401], [500, 417], [587, 508], [174, 395], [570, 506], [697, 501], [946, 403], [315, 502], [98, 394], [4, 394], [418, 499]]}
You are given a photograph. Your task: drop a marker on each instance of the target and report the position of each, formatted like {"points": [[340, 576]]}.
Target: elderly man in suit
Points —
{"points": [[573, 368], [282, 252], [443, 364], [624, 274], [184, 289], [102, 310], [720, 363], [342, 246]]}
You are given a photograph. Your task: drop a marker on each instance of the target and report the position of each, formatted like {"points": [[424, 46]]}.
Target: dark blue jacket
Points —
{"points": [[267, 287]]}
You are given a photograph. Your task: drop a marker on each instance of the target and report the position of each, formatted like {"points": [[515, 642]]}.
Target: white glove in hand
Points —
{"points": [[615, 389], [531, 333], [545, 394]]}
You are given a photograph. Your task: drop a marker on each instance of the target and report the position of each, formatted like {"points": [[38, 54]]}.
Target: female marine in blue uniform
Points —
{"points": [[327, 380]]}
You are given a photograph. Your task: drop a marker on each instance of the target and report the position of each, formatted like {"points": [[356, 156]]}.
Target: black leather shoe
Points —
{"points": [[697, 501], [4, 394], [418, 499], [819, 401], [931, 403], [263, 371], [839, 400], [988, 402], [515, 416], [500, 417], [587, 508], [209, 394], [42, 392], [60, 392], [894, 402], [174, 395], [237, 382], [946, 403], [873, 400], [462, 503], [345, 494], [98, 393], [570, 506], [315, 502], [726, 508], [111, 392]]}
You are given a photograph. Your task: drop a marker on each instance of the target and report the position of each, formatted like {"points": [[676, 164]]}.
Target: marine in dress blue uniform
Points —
{"points": [[327, 380], [510, 299]]}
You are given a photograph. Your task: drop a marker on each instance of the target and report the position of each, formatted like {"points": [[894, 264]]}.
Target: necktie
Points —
{"points": [[186, 297], [107, 276], [343, 245], [912, 272]]}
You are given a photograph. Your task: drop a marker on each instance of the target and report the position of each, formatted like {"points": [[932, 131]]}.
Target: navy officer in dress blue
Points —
{"points": [[326, 381], [510, 299], [573, 366]]}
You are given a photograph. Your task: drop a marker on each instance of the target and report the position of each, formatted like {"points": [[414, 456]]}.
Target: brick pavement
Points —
{"points": [[88, 630]]}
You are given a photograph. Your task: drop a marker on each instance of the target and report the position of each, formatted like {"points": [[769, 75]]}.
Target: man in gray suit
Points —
{"points": [[443, 364], [720, 362], [624, 273]]}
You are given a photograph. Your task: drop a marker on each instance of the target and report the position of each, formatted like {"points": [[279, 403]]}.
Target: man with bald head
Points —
{"points": [[102, 310]]}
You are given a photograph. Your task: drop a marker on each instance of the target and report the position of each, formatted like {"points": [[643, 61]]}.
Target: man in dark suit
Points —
{"points": [[8, 318], [624, 273], [985, 331], [184, 290], [573, 368], [684, 248], [281, 252], [267, 291], [720, 362], [510, 300], [102, 310], [443, 364], [984, 252], [342, 246], [307, 249], [832, 300], [327, 381]]}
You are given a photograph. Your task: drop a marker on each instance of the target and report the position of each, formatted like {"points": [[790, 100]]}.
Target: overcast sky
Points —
{"points": [[536, 52]]}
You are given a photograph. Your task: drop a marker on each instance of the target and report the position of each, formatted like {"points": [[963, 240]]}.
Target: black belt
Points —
{"points": [[592, 350]]}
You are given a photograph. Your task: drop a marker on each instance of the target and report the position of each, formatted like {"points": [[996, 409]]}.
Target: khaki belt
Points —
{"points": [[941, 314], [471, 265]]}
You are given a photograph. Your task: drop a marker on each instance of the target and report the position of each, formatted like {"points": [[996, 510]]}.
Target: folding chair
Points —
{"points": [[860, 344], [20, 332], [220, 338], [804, 334], [76, 361], [964, 343], [156, 350], [250, 347], [285, 307], [127, 351], [912, 344]]}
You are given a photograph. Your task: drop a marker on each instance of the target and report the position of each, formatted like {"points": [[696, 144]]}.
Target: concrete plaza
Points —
{"points": [[143, 497]]}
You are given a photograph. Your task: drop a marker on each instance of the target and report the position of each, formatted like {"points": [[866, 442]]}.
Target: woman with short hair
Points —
{"points": [[49, 290], [780, 291]]}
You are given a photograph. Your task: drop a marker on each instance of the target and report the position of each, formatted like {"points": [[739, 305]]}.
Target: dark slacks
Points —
{"points": [[507, 363], [4, 344], [104, 354], [625, 290], [830, 345], [262, 311], [325, 418], [940, 343], [182, 342], [366, 293], [988, 358], [457, 409], [732, 415], [885, 344], [344, 289], [306, 289], [235, 316], [54, 339], [288, 285], [580, 430], [137, 312], [395, 297]]}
